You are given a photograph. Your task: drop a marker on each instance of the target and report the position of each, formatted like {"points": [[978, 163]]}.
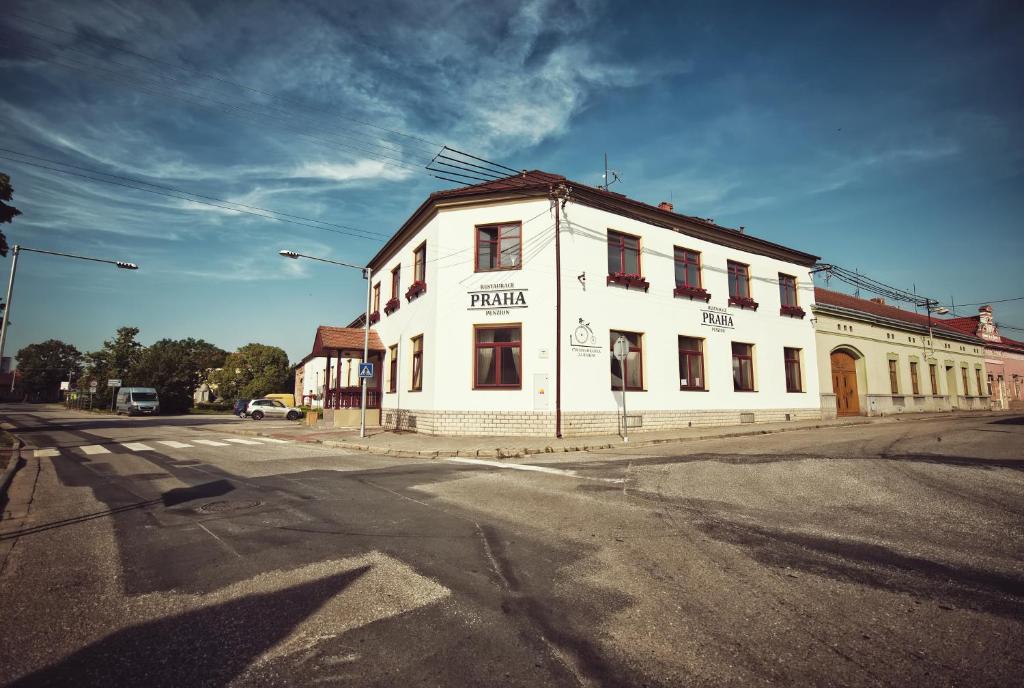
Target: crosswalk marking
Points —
{"points": [[47, 451], [237, 440], [173, 445], [274, 439], [211, 443], [94, 449], [137, 446]]}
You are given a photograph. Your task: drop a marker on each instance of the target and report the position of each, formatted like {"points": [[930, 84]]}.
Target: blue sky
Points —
{"points": [[881, 136]]}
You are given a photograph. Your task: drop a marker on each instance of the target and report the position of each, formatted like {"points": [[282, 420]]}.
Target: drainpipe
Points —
{"points": [[558, 320]]}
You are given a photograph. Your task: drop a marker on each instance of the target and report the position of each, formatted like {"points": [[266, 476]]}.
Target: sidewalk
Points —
{"points": [[414, 445]]}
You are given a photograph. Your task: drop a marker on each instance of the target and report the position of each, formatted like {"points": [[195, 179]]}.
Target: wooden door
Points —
{"points": [[844, 384]]}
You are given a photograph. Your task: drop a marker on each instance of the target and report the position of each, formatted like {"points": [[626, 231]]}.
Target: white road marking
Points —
{"points": [[136, 446], [47, 451], [274, 440], [94, 449], [6, 426], [211, 443], [535, 469], [174, 445], [237, 440]]}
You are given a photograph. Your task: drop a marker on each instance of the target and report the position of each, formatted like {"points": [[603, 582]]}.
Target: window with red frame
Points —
{"points": [[499, 247], [739, 280], [791, 357], [393, 369], [687, 268], [787, 290], [623, 253], [631, 369], [417, 363], [742, 367], [419, 263], [396, 279], [499, 360], [691, 363]]}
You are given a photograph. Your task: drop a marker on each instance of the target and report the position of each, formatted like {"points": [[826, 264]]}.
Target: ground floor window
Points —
{"points": [[791, 357], [498, 356], [894, 377], [691, 363], [933, 377], [963, 376], [977, 378], [742, 367], [417, 363], [914, 387], [629, 370], [393, 369]]}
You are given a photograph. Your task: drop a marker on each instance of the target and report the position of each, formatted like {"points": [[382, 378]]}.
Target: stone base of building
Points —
{"points": [[575, 423], [887, 404]]}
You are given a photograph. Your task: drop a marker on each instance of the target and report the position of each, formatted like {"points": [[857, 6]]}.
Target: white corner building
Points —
{"points": [[498, 306]]}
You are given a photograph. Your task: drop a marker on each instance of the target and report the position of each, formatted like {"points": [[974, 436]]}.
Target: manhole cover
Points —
{"points": [[229, 505]]}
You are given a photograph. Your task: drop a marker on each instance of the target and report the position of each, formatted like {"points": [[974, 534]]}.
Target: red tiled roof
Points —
{"points": [[533, 182], [967, 325], [840, 300], [330, 339]]}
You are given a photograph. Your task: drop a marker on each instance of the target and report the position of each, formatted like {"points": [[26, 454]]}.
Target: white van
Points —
{"points": [[132, 400]]}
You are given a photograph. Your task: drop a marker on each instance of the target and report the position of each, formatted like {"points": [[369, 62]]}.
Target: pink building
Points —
{"points": [[1004, 359]]}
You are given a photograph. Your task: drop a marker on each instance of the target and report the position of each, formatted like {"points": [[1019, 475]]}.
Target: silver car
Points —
{"points": [[259, 409]]}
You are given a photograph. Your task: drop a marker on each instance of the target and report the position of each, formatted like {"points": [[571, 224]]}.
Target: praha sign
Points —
{"points": [[497, 299], [717, 318]]}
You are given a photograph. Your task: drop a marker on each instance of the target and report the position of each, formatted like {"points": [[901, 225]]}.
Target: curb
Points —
{"points": [[13, 465], [515, 453]]}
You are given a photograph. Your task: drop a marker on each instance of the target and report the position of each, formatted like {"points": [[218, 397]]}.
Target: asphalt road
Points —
{"points": [[172, 552]]}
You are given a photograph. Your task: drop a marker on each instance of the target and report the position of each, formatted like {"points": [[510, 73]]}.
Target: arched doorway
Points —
{"points": [[844, 383]]}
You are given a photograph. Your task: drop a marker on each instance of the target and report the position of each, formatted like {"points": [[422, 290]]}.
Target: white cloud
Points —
{"points": [[360, 170]]}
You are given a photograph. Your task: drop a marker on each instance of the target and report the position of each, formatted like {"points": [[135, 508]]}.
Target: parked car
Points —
{"points": [[240, 407], [132, 400], [271, 408]]}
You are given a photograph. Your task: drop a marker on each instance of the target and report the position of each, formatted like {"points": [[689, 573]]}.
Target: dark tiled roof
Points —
{"points": [[840, 300], [330, 339]]}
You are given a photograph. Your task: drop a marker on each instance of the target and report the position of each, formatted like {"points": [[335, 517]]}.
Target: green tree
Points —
{"points": [[42, 367], [115, 360], [176, 368], [251, 372], [7, 212]]}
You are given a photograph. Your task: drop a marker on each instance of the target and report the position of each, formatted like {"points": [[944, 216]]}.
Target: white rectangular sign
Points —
{"points": [[113, 383]]}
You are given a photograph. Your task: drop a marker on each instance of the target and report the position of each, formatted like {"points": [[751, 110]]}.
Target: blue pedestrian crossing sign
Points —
{"points": [[365, 370]]}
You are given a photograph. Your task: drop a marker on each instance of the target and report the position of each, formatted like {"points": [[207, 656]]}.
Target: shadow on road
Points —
{"points": [[209, 646]]}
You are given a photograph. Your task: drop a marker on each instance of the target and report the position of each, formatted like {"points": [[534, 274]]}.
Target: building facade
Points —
{"points": [[498, 307], [875, 359], [1004, 359]]}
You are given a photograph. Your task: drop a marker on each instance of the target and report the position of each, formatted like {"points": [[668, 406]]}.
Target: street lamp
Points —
{"points": [[366, 323], [14, 266]]}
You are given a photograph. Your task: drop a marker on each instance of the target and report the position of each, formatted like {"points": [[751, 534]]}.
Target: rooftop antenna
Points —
{"points": [[608, 181]]}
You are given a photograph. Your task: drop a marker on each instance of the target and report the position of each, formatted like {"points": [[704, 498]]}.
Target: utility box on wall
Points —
{"points": [[540, 392]]}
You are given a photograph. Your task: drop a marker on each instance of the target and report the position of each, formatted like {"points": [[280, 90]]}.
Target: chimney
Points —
{"points": [[878, 300], [665, 205]]}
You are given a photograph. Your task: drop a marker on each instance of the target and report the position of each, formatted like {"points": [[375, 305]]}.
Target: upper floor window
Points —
{"points": [[419, 263], [623, 254], [499, 360], [742, 367], [376, 297], [787, 290], [396, 280], [629, 369], [739, 280], [687, 268], [499, 247]]}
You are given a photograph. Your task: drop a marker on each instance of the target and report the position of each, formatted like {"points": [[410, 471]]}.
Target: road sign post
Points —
{"points": [[621, 351], [114, 384]]}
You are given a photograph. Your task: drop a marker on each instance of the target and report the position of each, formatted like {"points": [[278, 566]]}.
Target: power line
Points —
{"points": [[986, 303]]}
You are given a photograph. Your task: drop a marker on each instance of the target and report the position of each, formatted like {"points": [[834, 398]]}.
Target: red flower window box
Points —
{"points": [[374, 317], [391, 306], [692, 292], [628, 280], [743, 302], [792, 311], [415, 289]]}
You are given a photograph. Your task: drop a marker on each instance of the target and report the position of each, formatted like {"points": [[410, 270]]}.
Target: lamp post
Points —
{"points": [[366, 322], [16, 251]]}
